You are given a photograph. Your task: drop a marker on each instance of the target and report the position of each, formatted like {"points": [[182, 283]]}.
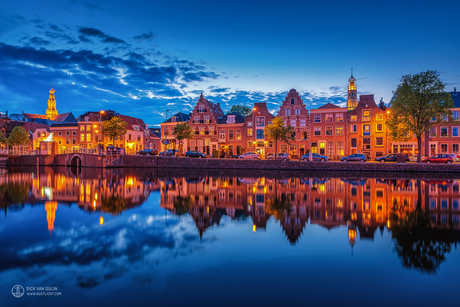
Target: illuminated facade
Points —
{"points": [[51, 111], [352, 100]]}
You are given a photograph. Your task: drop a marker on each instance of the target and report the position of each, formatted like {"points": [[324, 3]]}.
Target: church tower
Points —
{"points": [[352, 101], [51, 112]]}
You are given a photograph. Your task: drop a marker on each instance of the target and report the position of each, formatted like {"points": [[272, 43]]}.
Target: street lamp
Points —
{"points": [[100, 127], [166, 127], [253, 128]]}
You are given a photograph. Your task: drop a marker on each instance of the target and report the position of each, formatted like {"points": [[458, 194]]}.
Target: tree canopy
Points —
{"points": [[183, 131], [420, 101], [243, 110], [114, 127], [18, 137], [277, 131]]}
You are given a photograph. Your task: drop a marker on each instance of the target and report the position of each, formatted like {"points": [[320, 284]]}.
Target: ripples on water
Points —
{"points": [[141, 237]]}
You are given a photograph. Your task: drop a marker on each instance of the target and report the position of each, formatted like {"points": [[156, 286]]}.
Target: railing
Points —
{"points": [[18, 152]]}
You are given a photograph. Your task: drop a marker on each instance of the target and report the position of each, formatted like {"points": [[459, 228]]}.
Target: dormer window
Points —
{"points": [[173, 119], [87, 119], [136, 128], [231, 119]]}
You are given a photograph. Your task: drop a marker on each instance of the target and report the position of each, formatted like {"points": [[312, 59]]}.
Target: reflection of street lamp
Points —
{"points": [[100, 127]]}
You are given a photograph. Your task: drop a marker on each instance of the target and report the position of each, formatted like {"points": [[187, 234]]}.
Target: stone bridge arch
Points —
{"points": [[75, 160]]}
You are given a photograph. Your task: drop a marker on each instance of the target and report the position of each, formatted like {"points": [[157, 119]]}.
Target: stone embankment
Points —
{"points": [[133, 161]]}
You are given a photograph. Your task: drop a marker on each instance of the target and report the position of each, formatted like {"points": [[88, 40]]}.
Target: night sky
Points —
{"points": [[140, 58]]}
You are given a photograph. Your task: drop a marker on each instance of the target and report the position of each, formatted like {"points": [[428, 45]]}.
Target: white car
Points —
{"points": [[250, 155]]}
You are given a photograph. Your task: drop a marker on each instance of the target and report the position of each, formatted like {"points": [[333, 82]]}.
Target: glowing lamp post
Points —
{"points": [[253, 129]]}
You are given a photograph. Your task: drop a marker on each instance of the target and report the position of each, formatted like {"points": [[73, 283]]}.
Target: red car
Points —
{"points": [[439, 158]]}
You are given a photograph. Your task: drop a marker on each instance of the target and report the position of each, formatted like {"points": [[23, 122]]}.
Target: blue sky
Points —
{"points": [[143, 57]]}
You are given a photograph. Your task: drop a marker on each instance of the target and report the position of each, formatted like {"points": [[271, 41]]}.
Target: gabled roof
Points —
{"points": [[31, 116], [31, 127], [133, 121], [239, 119], [155, 131], [93, 117], [65, 118], [456, 98], [63, 125], [329, 106], [180, 117]]}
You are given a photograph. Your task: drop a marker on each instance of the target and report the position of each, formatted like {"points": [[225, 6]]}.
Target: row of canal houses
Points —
{"points": [[328, 130]]}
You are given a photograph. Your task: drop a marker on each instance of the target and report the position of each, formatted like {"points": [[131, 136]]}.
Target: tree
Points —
{"points": [[183, 131], [243, 110], [420, 102], [277, 131], [18, 137], [114, 127]]}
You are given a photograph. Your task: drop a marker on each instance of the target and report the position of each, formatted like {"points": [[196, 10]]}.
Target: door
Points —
{"points": [[322, 148]]}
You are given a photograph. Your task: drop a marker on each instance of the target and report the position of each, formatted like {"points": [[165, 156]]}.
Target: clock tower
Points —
{"points": [[352, 101]]}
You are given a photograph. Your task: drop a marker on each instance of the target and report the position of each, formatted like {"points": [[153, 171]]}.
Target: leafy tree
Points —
{"points": [[18, 137], [419, 99], [3, 140], [114, 127], [182, 204], [277, 131], [243, 110], [183, 131]]}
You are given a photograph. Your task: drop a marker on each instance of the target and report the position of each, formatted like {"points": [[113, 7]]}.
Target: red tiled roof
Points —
{"points": [[31, 127], [32, 116], [329, 106], [133, 121]]}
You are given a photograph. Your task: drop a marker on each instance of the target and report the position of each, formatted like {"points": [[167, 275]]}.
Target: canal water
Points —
{"points": [[71, 237]]}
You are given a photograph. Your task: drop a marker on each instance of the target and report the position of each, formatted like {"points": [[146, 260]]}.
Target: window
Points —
{"points": [[88, 137], [260, 121], [270, 144], [340, 147], [339, 117], [378, 141], [201, 109], [354, 118], [353, 143], [211, 130], [260, 134], [443, 131], [454, 204], [366, 129], [328, 118], [455, 115], [222, 135], [354, 128], [207, 121], [317, 131], [59, 133], [379, 117], [454, 131], [433, 203], [82, 137], [74, 141], [338, 130], [328, 130], [433, 132], [366, 143], [201, 130], [317, 118], [249, 144], [196, 119], [250, 132], [302, 122], [88, 128], [297, 111], [287, 112], [330, 149], [238, 134], [366, 115], [293, 122], [230, 135], [379, 127], [82, 128], [443, 148], [455, 148], [74, 132]]}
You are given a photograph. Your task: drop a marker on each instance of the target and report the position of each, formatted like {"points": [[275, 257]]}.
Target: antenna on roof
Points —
{"points": [[352, 71]]}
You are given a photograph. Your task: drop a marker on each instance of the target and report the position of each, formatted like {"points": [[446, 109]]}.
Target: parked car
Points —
{"points": [[316, 157], [354, 157], [250, 155], [145, 152], [281, 156], [114, 150], [439, 158], [414, 158], [195, 154], [169, 153], [390, 158], [454, 157]]}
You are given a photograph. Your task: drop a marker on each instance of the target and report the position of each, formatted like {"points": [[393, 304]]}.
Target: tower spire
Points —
{"points": [[51, 111], [352, 101]]}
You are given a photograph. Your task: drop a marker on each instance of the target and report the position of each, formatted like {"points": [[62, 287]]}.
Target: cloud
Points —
{"points": [[92, 32], [146, 36], [37, 41]]}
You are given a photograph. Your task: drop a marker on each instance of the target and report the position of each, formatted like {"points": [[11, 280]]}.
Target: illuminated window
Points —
{"points": [[379, 117], [366, 115], [88, 137], [88, 128], [366, 143], [230, 135], [328, 118], [366, 129], [249, 132], [222, 135], [238, 134], [340, 148], [82, 137], [328, 130], [338, 130], [339, 117], [201, 130], [211, 130], [354, 118], [379, 127], [207, 121], [82, 128]]}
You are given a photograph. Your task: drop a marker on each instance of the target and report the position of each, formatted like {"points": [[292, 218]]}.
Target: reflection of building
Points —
{"points": [[50, 207]]}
